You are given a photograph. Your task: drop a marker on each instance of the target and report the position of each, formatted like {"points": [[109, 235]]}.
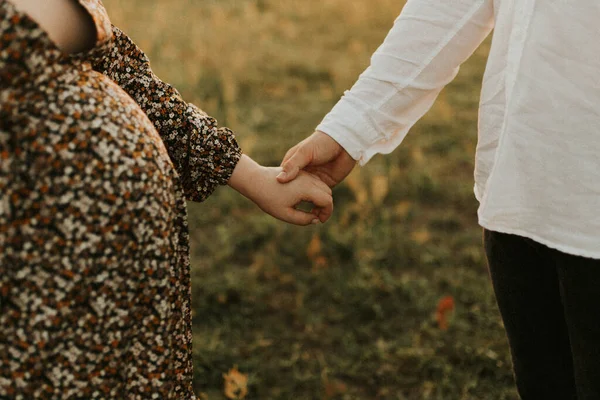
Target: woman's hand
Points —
{"points": [[260, 185]]}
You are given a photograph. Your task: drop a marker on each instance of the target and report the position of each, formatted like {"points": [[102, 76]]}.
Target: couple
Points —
{"points": [[98, 157]]}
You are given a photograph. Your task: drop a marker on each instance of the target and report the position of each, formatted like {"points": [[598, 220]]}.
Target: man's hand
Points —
{"points": [[320, 155]]}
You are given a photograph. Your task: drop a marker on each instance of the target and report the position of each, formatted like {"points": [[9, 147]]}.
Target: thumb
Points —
{"points": [[300, 159]]}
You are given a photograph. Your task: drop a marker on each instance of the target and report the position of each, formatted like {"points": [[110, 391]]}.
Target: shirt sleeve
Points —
{"points": [[421, 54], [204, 154]]}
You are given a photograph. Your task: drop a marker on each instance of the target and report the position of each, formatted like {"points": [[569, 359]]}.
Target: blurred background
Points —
{"points": [[388, 300]]}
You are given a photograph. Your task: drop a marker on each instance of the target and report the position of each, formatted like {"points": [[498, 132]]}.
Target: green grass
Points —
{"points": [[345, 310]]}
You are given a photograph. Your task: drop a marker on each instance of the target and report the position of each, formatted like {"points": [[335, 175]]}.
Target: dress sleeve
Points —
{"points": [[421, 54], [204, 154]]}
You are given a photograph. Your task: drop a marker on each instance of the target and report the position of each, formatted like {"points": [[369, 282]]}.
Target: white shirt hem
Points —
{"points": [[560, 247]]}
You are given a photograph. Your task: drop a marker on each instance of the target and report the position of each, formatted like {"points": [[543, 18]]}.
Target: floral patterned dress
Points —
{"points": [[97, 158]]}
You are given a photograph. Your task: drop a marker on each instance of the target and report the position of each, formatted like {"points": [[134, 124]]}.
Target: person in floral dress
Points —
{"points": [[97, 159]]}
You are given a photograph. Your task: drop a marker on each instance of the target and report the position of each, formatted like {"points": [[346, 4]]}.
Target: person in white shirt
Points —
{"points": [[537, 173]]}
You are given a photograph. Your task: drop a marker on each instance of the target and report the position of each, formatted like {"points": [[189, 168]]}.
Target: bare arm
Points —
{"points": [[67, 23]]}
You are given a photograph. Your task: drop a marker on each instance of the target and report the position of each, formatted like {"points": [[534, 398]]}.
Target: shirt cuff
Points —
{"points": [[352, 129]]}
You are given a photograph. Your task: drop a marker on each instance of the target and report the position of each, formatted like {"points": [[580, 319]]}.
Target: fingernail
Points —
{"points": [[282, 175], [315, 221]]}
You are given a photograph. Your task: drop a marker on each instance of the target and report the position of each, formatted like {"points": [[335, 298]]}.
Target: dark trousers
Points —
{"points": [[550, 305]]}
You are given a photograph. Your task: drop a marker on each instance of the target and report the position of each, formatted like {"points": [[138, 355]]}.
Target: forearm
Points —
{"points": [[421, 54]]}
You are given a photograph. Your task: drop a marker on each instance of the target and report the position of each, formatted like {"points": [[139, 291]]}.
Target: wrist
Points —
{"points": [[344, 141], [246, 176]]}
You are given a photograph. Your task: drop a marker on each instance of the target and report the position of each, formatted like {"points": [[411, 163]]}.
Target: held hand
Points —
{"points": [[260, 185], [279, 200], [320, 155]]}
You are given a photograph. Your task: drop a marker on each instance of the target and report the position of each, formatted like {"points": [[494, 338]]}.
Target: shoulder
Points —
{"points": [[67, 23]]}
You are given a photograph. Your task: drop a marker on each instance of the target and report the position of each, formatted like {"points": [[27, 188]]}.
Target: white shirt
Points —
{"points": [[537, 170]]}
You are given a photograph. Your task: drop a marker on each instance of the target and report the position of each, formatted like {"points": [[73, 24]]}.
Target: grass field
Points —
{"points": [[345, 310]]}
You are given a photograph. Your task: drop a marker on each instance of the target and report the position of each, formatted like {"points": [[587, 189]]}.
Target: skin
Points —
{"points": [[258, 183], [319, 155], [70, 26], [65, 21]]}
